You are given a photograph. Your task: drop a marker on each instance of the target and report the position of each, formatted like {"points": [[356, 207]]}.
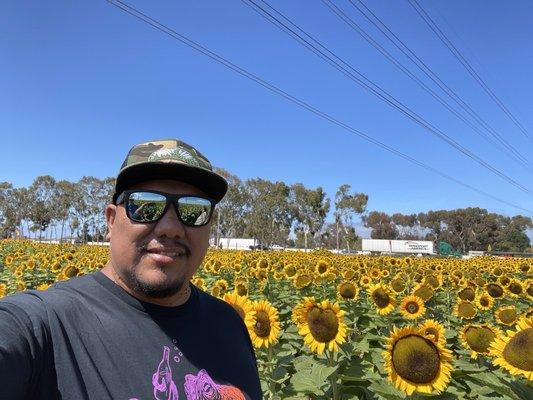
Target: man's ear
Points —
{"points": [[110, 215]]}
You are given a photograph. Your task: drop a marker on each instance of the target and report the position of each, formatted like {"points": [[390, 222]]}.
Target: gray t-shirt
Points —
{"points": [[87, 338]]}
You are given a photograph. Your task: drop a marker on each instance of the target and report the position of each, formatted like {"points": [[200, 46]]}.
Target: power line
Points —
{"points": [[400, 45], [243, 72], [508, 149], [359, 78], [464, 62]]}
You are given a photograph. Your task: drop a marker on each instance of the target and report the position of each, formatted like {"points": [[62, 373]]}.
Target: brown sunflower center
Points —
{"points": [[323, 324], [398, 285], [262, 324], [290, 272], [302, 281], [381, 298], [412, 307], [432, 332], [519, 350], [515, 288], [72, 271], [504, 280], [347, 291], [424, 292], [433, 281], [467, 294], [466, 310], [479, 338], [322, 268], [484, 301], [507, 316], [494, 290], [242, 290], [530, 290], [416, 359]]}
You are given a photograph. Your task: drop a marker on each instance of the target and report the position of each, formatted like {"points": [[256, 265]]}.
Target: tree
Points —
{"points": [[381, 225], [230, 213], [42, 210], [406, 225], [310, 208], [346, 206], [269, 217]]}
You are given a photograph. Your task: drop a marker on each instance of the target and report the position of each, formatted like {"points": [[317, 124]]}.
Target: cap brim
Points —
{"points": [[212, 184]]}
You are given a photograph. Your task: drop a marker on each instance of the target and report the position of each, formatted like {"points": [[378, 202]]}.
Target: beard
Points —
{"points": [[150, 289]]}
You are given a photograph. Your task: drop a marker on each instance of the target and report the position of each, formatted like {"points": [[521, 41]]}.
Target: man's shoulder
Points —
{"points": [[36, 303]]}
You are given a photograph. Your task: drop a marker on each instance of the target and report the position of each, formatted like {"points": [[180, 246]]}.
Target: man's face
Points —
{"points": [[156, 259]]}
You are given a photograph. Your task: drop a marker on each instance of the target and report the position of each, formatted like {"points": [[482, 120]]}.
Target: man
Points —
{"points": [[137, 329]]}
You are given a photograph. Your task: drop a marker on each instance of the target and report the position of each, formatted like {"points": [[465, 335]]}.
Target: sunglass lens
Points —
{"points": [[146, 206], [194, 211]]}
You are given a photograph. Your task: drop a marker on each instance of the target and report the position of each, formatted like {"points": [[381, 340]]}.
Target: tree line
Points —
{"points": [[272, 212]]}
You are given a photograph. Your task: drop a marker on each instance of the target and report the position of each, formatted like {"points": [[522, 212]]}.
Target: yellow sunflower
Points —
{"points": [[514, 351], [322, 268], [506, 315], [434, 281], [484, 302], [412, 307], [467, 294], [299, 312], [515, 288], [494, 290], [42, 286], [198, 282], [382, 297], [321, 324], [365, 281], [243, 306], [424, 291], [347, 291], [374, 273], [464, 310], [433, 330], [398, 285], [289, 270], [3, 289], [529, 288], [266, 329], [415, 363], [477, 338], [504, 280], [302, 280]]}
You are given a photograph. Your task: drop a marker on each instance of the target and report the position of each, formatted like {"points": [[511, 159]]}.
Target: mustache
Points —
{"points": [[165, 245]]}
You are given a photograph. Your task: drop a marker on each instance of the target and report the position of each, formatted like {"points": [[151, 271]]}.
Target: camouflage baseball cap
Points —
{"points": [[169, 159]]}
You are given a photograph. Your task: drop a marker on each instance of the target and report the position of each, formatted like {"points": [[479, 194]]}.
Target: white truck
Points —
{"points": [[384, 246], [235, 243]]}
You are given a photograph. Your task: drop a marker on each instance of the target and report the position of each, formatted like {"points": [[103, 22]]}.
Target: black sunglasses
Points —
{"points": [[147, 206]]}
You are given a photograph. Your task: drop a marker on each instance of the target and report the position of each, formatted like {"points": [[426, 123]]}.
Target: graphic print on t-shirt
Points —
{"points": [[197, 387]]}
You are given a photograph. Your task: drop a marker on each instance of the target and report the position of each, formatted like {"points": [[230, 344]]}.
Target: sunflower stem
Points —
{"points": [[333, 376], [271, 383]]}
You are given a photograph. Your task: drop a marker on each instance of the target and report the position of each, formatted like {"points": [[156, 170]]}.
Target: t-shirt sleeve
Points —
{"points": [[22, 340]]}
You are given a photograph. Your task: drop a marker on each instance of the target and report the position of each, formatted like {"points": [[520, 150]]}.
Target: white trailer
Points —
{"points": [[235, 243], [398, 246]]}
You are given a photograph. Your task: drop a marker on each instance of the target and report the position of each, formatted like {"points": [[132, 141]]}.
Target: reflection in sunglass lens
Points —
{"points": [[146, 206], [194, 211]]}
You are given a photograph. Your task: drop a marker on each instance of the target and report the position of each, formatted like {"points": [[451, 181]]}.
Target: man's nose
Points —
{"points": [[170, 225]]}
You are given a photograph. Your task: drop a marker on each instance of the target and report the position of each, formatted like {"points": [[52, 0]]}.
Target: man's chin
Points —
{"points": [[155, 288]]}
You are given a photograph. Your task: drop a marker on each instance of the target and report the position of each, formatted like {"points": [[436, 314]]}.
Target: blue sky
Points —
{"points": [[81, 82]]}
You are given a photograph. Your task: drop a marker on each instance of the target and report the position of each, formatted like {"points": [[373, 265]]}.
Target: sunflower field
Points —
{"points": [[331, 326]]}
